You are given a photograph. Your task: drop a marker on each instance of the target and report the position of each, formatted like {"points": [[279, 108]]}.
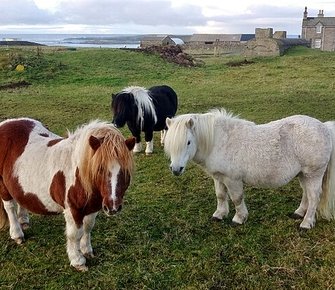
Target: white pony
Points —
{"points": [[235, 151]]}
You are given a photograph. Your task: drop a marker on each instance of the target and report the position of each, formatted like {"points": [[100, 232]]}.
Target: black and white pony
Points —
{"points": [[144, 110]]}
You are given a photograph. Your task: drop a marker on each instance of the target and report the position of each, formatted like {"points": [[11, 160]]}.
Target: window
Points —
{"points": [[319, 28], [317, 43]]}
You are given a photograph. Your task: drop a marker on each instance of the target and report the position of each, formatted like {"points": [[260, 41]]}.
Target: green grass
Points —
{"points": [[164, 238]]}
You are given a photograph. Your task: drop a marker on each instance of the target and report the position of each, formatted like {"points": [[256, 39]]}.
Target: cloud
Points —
{"points": [[23, 12], [149, 13], [286, 18], [153, 16], [106, 15]]}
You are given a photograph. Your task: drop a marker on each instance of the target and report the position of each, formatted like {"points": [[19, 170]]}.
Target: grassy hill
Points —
{"points": [[164, 238]]}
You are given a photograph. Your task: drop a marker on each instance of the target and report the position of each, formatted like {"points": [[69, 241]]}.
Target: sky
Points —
{"points": [[156, 16]]}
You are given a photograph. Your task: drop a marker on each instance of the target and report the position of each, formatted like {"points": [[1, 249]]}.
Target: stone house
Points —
{"points": [[267, 43], [156, 40], [319, 30]]}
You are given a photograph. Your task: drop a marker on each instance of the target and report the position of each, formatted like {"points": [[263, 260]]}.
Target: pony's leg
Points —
{"points": [[138, 144], [15, 230], [301, 210], [149, 147], [137, 147], [85, 242], [222, 208], [163, 134], [313, 187], [137, 134], [235, 191], [23, 217], [73, 236], [149, 142]]}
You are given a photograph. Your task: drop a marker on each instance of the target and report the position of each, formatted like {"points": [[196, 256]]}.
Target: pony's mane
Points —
{"points": [[203, 130], [143, 102], [112, 149]]}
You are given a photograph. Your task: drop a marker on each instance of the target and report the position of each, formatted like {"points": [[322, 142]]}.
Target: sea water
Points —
{"points": [[79, 40]]}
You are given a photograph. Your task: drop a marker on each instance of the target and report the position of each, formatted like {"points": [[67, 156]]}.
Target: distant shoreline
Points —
{"points": [[19, 43]]}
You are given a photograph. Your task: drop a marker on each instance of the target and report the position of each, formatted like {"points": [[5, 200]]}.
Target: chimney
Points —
{"points": [[305, 13], [320, 13]]}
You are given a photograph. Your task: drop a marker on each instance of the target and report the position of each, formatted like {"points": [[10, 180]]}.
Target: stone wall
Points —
{"points": [[217, 48], [279, 35], [146, 43], [329, 39], [268, 44], [263, 33], [262, 47]]}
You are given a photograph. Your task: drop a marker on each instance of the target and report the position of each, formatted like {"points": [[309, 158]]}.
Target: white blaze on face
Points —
{"points": [[115, 172], [186, 151]]}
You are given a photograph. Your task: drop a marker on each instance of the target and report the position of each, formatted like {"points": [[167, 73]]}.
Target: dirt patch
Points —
{"points": [[172, 53], [16, 85], [239, 63]]}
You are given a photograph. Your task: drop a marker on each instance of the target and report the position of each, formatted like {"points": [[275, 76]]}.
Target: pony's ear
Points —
{"points": [[95, 142], [168, 122], [130, 143], [190, 123]]}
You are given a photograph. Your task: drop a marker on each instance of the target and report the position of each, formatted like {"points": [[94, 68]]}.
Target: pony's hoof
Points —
{"points": [[216, 219], [148, 153], [239, 220], [235, 224], [303, 232], [137, 148], [89, 255], [25, 226], [19, 241], [307, 225], [305, 228], [81, 268], [295, 216]]}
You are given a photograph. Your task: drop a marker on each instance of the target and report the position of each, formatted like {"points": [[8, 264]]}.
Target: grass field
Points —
{"points": [[164, 237]]}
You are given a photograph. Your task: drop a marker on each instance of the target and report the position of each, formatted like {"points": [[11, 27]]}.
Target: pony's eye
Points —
{"points": [[188, 142]]}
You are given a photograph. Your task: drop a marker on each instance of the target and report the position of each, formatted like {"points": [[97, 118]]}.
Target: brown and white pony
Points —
{"points": [[43, 173]]}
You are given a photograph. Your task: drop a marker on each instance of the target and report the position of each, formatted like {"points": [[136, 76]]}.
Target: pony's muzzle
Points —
{"points": [[118, 123], [177, 170], [110, 212]]}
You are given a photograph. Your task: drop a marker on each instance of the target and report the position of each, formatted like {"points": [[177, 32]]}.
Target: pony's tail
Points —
{"points": [[4, 222], [326, 207]]}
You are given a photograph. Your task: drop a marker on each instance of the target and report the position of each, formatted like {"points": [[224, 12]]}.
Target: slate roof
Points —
{"points": [[214, 37], [220, 37], [154, 38], [313, 21], [292, 41], [246, 37]]}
